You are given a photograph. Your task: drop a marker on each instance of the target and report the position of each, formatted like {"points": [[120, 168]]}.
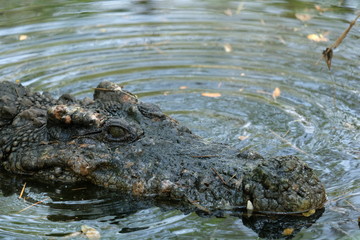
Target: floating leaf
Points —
{"points": [[276, 93], [213, 95], [90, 233], [303, 17], [317, 38], [23, 37], [227, 47], [240, 7], [320, 9], [228, 12], [281, 39], [288, 231], [242, 138]]}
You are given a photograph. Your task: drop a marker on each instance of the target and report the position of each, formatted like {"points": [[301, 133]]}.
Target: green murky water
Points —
{"points": [[169, 53]]}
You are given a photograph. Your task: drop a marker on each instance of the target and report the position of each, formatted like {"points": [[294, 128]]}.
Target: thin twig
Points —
{"points": [[202, 208], [343, 35], [289, 143], [328, 52], [205, 156], [80, 188], [345, 195], [22, 190], [33, 204], [352, 205], [221, 178], [104, 89], [232, 177]]}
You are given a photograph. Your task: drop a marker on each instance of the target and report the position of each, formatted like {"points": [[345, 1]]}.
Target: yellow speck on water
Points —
{"points": [[90, 233], [23, 37], [227, 47], [228, 12], [242, 138], [213, 95], [276, 93], [303, 17], [317, 38]]}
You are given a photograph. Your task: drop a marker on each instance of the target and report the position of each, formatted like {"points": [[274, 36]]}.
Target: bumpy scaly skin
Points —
{"points": [[118, 142]]}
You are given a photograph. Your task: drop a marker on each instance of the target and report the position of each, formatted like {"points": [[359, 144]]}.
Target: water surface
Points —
{"points": [[170, 53]]}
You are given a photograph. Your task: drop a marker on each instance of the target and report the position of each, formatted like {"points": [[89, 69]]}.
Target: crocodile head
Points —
{"points": [[118, 142]]}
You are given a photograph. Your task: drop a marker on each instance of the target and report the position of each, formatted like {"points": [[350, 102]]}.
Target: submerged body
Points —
{"points": [[118, 142]]}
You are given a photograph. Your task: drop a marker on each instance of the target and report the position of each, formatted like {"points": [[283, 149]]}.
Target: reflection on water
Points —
{"points": [[125, 215], [169, 53]]}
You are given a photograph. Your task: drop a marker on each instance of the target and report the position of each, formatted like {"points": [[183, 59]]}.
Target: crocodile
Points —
{"points": [[119, 142]]}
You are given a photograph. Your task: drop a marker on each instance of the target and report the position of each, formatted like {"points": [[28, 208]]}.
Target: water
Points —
{"points": [[169, 53]]}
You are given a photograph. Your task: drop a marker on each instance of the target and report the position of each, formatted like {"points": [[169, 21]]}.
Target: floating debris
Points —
{"points": [[33, 205], [242, 138], [228, 12], [317, 38], [213, 95], [227, 47], [276, 93], [22, 190], [23, 37], [303, 17], [328, 52], [90, 233]]}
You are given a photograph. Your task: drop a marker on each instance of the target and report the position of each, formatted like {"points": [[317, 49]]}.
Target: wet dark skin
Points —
{"points": [[118, 142]]}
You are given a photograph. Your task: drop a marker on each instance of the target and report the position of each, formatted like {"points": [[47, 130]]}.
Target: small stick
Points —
{"points": [[221, 178], [352, 205], [33, 205], [80, 188], [104, 89], [287, 142], [343, 35], [22, 191], [232, 177], [328, 52], [205, 156], [345, 195], [202, 208]]}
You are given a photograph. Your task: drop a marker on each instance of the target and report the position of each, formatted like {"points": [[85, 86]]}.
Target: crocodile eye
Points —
{"points": [[116, 132], [119, 130]]}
